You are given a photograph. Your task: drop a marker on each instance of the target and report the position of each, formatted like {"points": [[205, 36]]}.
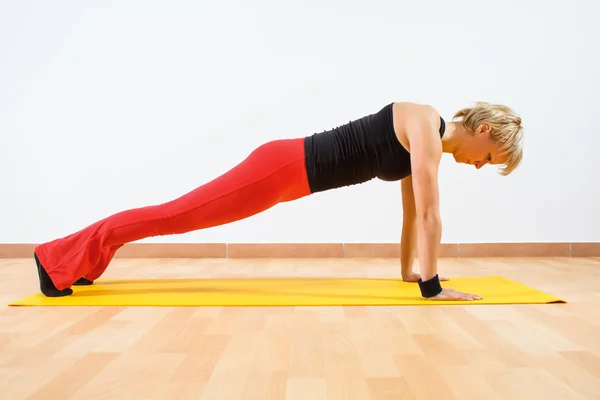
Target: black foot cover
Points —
{"points": [[83, 282], [46, 285]]}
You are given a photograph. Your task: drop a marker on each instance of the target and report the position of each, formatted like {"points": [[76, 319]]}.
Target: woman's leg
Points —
{"points": [[105, 259], [274, 172]]}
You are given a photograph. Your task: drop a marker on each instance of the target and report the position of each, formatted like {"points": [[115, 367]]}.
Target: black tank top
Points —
{"points": [[357, 152]]}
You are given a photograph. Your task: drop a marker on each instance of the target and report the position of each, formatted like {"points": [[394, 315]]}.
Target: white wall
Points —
{"points": [[106, 106]]}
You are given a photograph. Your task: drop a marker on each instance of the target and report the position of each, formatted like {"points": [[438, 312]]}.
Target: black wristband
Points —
{"points": [[430, 288]]}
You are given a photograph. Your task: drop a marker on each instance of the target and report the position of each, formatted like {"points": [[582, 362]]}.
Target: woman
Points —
{"points": [[402, 142]]}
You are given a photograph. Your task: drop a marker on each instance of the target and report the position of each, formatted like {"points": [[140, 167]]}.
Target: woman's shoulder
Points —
{"points": [[415, 111], [411, 118]]}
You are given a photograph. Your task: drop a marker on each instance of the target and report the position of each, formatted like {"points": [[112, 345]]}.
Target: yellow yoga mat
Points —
{"points": [[284, 292]]}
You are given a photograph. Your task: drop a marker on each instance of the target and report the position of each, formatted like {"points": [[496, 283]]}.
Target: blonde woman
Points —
{"points": [[401, 142]]}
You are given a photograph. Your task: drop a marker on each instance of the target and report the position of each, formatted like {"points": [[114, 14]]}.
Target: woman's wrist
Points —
{"points": [[431, 287]]}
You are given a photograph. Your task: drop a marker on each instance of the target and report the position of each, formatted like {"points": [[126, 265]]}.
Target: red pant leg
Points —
{"points": [[105, 259], [274, 172]]}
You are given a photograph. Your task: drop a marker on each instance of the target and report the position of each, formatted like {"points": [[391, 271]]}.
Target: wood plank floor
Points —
{"points": [[308, 353]]}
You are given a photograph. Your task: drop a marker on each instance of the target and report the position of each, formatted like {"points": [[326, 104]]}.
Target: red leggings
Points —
{"points": [[274, 172]]}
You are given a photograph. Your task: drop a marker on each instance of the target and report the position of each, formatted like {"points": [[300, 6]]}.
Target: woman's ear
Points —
{"points": [[483, 129]]}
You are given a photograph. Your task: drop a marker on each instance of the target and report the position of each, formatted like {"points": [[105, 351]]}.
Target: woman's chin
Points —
{"points": [[459, 159]]}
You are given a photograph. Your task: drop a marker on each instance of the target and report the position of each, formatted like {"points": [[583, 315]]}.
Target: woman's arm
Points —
{"points": [[421, 127], [408, 241], [426, 154]]}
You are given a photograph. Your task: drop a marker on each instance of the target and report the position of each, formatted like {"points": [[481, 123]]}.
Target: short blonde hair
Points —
{"points": [[506, 128]]}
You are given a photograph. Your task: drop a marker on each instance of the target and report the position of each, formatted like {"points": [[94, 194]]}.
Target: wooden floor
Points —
{"points": [[453, 352]]}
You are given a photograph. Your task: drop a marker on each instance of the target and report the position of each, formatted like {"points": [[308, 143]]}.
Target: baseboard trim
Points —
{"points": [[329, 250]]}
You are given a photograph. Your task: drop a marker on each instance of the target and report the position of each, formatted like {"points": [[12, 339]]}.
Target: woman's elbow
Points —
{"points": [[429, 216]]}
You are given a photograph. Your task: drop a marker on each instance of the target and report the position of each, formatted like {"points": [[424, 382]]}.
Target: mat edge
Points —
{"points": [[37, 298]]}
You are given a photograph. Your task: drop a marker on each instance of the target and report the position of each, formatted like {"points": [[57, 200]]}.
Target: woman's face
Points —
{"points": [[479, 149]]}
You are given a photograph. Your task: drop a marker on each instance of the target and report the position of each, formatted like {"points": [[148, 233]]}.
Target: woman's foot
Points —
{"points": [[83, 282], [46, 285]]}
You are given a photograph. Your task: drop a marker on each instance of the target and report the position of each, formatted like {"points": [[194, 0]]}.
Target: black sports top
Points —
{"points": [[357, 152]]}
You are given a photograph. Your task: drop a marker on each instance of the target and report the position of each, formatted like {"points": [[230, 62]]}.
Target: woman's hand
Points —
{"points": [[451, 294]]}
